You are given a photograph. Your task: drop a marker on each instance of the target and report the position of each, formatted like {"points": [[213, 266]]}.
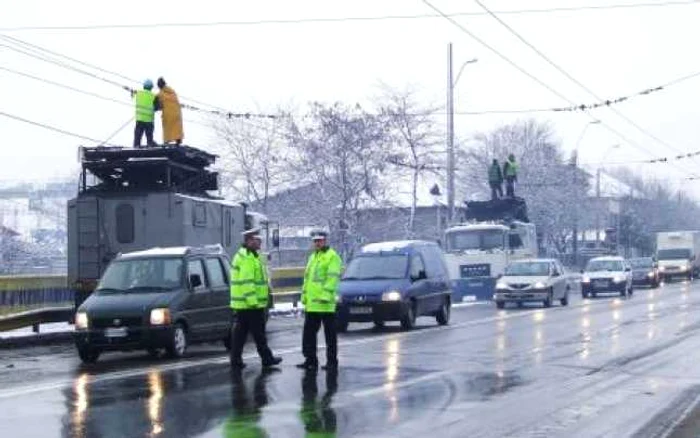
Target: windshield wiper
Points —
{"points": [[156, 288], [108, 289]]}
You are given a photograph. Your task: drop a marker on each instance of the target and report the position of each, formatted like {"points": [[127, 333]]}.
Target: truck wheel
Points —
{"points": [[443, 316], [408, 322], [178, 343], [88, 355]]}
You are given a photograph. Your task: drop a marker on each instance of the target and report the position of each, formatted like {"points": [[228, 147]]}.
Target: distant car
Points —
{"points": [[395, 281], [607, 275], [536, 280], [161, 298], [645, 272]]}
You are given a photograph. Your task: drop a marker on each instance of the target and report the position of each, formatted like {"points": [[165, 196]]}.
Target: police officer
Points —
{"points": [[249, 297], [319, 294], [145, 102]]}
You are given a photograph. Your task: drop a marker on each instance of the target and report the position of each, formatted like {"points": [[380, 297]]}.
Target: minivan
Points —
{"points": [[160, 298], [395, 281]]}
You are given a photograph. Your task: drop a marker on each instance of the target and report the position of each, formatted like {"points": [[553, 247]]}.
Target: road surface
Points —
{"points": [[603, 367]]}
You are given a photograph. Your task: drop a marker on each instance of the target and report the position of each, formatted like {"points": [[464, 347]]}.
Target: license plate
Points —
{"points": [[600, 283], [117, 332], [360, 310]]}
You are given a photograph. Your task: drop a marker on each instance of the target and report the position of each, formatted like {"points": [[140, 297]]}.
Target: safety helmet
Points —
{"points": [[148, 84]]}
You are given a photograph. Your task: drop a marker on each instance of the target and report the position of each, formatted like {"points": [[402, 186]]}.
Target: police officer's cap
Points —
{"points": [[319, 235], [253, 232]]}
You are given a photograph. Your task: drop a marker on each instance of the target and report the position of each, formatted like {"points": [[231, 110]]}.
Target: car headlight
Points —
{"points": [[650, 275], [501, 286], [81, 320], [662, 268], [619, 279], [539, 285], [585, 279], [394, 295], [160, 316], [684, 268]]}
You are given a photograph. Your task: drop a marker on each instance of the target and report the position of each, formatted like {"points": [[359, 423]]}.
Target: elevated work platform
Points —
{"points": [[176, 168], [506, 209]]}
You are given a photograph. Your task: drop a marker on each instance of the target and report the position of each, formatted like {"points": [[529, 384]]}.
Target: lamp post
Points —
{"points": [[576, 191], [450, 130]]}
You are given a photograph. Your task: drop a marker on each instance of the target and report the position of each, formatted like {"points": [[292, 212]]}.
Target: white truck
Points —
{"points": [[478, 251], [677, 254]]}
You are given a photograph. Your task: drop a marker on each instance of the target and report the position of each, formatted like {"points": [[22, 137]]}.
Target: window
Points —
{"points": [[515, 241], [125, 223], [217, 277], [416, 266], [433, 262], [154, 275], [481, 240], [377, 266], [227, 227], [199, 215], [195, 267]]}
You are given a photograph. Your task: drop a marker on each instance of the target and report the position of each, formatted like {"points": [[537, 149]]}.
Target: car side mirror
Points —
{"points": [[421, 276], [275, 238], [195, 281]]}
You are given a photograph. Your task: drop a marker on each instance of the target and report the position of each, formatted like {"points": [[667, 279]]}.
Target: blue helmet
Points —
{"points": [[148, 84]]}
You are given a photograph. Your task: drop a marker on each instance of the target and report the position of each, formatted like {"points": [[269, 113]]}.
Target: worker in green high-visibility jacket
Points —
{"points": [[510, 172], [250, 293], [319, 295], [146, 104]]}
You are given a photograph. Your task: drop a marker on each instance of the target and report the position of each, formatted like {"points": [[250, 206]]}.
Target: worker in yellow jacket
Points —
{"points": [[250, 293], [319, 295], [169, 105]]}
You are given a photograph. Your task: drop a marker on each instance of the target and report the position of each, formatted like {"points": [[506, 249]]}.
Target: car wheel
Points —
{"points": [[565, 301], [178, 344], [500, 304], [379, 324], [548, 301], [409, 320], [153, 353], [342, 326], [88, 355], [443, 316]]}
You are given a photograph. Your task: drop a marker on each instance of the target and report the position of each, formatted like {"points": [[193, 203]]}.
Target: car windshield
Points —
{"points": [[379, 266], [139, 275], [673, 254], [604, 265], [642, 263], [528, 269], [483, 240]]}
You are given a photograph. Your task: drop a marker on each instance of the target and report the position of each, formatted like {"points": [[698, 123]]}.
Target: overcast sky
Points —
{"points": [[249, 67]]}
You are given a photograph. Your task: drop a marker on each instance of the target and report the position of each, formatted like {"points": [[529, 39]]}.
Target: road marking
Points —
{"points": [[59, 384]]}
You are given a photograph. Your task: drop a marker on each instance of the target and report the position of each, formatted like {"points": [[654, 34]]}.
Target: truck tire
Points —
{"points": [[88, 355]]}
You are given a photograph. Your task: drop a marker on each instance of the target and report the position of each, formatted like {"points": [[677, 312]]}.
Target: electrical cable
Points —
{"points": [[319, 20]]}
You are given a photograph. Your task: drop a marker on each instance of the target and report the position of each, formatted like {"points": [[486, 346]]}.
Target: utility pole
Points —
{"points": [[450, 139], [574, 165], [597, 207]]}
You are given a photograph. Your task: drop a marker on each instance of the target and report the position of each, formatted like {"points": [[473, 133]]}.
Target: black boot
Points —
{"points": [[271, 362]]}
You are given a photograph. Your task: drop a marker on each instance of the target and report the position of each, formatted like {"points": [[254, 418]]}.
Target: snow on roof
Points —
{"points": [[389, 246], [175, 251], [477, 227]]}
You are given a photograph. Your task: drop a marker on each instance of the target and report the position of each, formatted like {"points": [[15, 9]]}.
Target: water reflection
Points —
{"points": [[80, 405], [155, 402], [318, 416], [244, 421]]}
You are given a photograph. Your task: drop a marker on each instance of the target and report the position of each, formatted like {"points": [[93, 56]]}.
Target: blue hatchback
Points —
{"points": [[395, 281]]}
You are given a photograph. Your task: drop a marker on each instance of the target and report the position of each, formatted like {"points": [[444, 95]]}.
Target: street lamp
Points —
{"points": [[576, 194], [450, 130], [597, 191]]}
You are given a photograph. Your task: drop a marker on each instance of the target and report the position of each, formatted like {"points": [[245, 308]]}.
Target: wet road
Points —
{"points": [[597, 368]]}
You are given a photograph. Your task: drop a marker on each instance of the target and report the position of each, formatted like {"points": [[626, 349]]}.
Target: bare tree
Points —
{"points": [[341, 150], [254, 157], [414, 139]]}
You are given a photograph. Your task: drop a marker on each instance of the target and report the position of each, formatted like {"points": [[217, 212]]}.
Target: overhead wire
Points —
{"points": [[29, 49], [50, 128], [321, 20], [577, 82]]}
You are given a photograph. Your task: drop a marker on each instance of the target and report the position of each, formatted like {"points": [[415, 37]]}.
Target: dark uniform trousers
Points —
{"points": [[312, 324], [141, 129], [250, 321]]}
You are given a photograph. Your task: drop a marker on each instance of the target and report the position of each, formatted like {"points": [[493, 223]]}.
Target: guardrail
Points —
{"points": [[36, 317]]}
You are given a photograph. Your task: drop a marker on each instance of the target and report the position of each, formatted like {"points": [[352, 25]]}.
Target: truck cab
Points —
{"points": [[478, 253]]}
